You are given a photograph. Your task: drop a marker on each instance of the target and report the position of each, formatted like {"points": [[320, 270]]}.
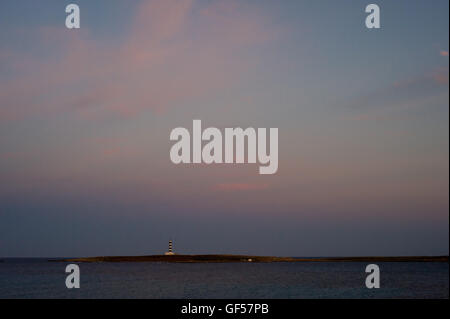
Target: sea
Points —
{"points": [[40, 278]]}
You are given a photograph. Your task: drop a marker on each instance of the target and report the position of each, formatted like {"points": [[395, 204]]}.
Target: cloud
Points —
{"points": [[444, 53], [402, 95], [173, 54], [233, 187], [409, 89], [441, 76]]}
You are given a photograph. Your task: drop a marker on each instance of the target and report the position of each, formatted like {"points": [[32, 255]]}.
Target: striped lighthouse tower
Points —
{"points": [[170, 251]]}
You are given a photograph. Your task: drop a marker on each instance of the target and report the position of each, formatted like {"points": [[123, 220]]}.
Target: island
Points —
{"points": [[248, 259]]}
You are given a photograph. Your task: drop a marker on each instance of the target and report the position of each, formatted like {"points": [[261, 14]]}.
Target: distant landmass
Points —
{"points": [[245, 258]]}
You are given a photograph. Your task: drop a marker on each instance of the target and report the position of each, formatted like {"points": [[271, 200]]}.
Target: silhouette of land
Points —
{"points": [[246, 258]]}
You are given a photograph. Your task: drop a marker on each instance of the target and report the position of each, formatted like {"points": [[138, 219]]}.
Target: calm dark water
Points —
{"points": [[37, 278]]}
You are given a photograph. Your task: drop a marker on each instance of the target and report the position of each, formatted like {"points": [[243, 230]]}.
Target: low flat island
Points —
{"points": [[245, 258]]}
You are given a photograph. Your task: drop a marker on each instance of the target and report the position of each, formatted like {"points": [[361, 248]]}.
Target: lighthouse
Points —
{"points": [[170, 251]]}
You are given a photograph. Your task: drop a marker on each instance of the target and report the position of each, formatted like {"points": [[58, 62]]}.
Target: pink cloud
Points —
{"points": [[231, 187], [444, 53], [440, 76], [172, 55], [400, 95]]}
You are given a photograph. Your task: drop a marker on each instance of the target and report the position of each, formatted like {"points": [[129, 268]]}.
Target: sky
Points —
{"points": [[86, 114]]}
